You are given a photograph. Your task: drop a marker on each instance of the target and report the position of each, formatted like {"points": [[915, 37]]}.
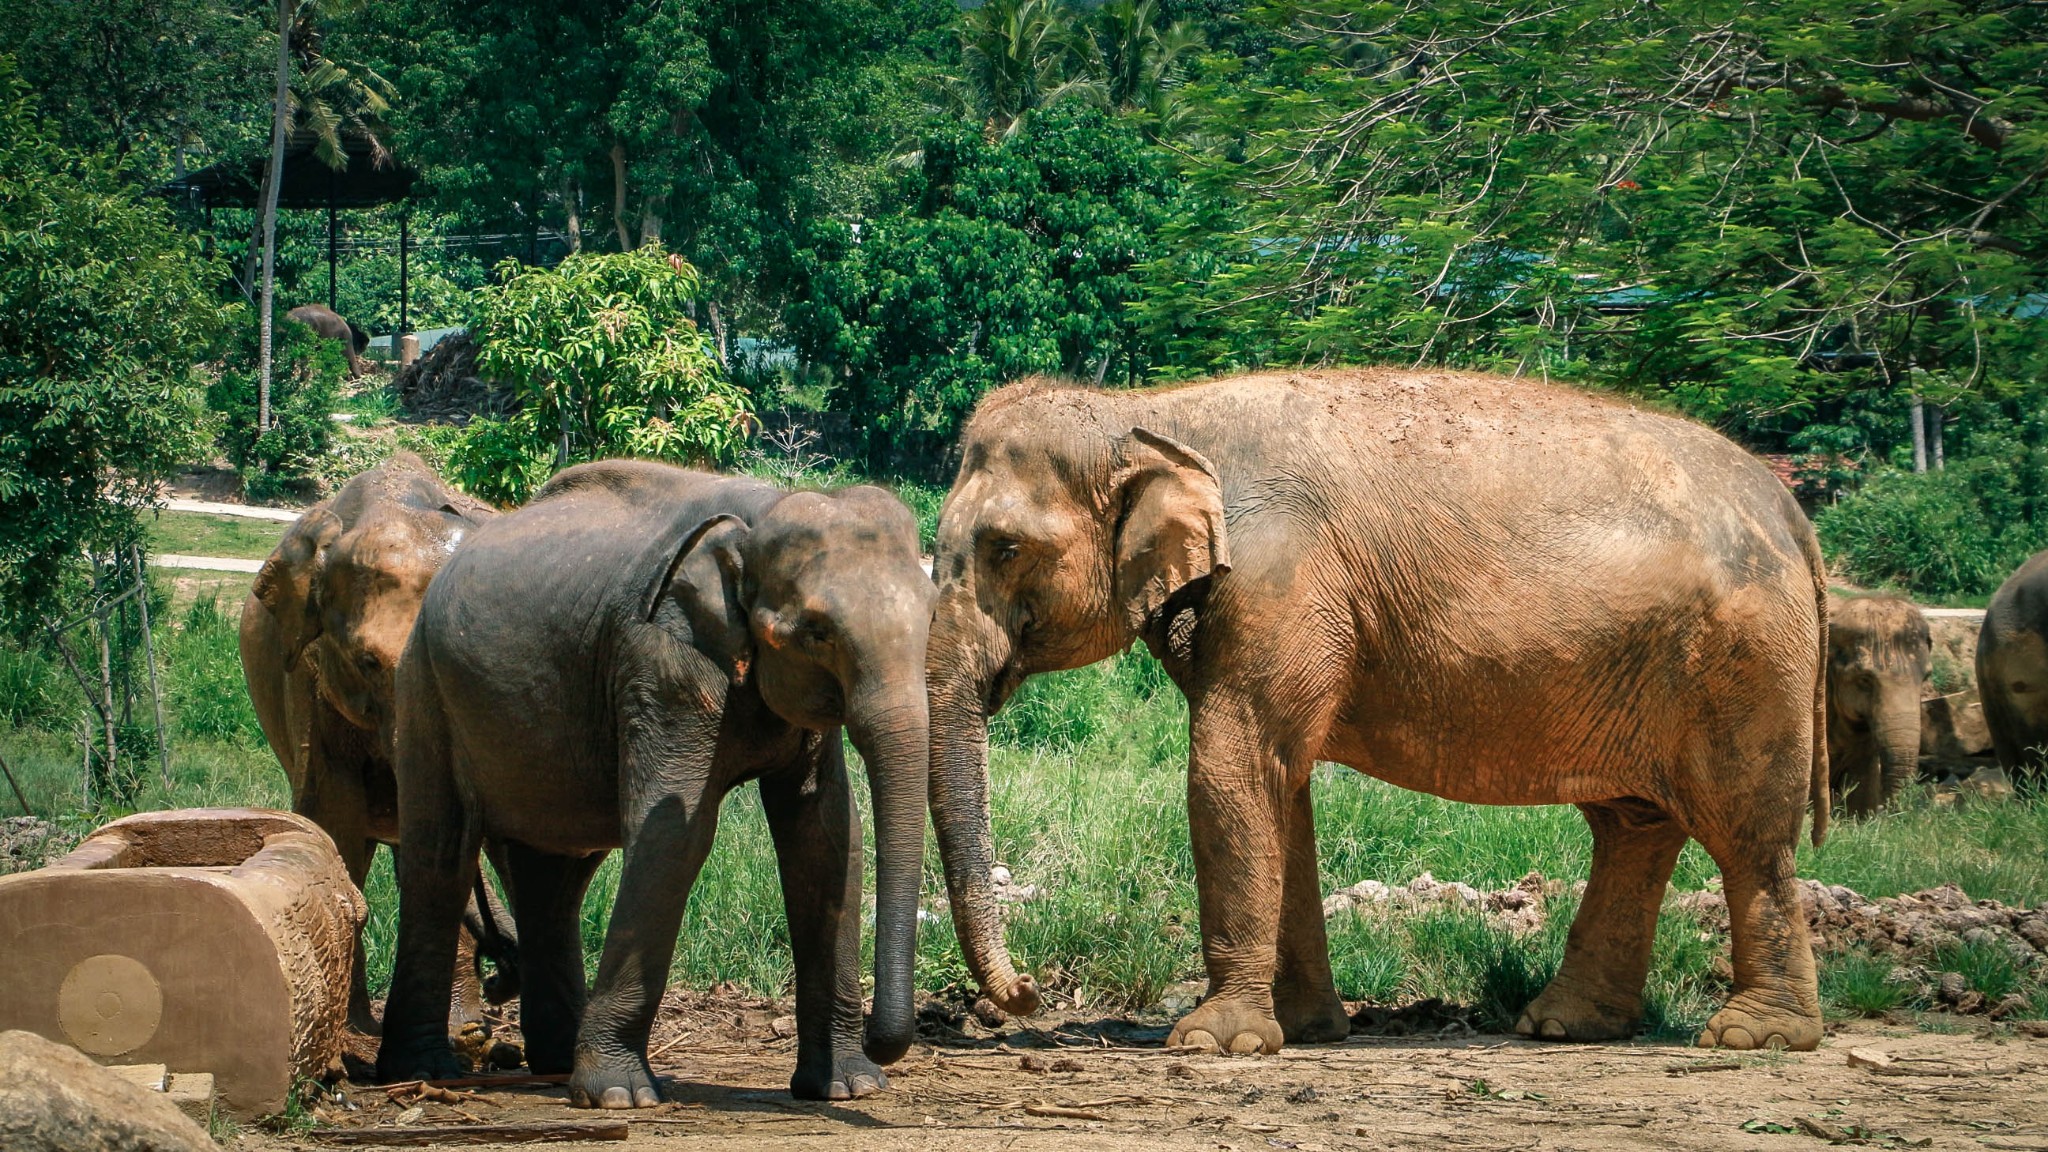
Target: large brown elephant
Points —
{"points": [[1485, 588], [322, 630], [1879, 653], [2012, 672]]}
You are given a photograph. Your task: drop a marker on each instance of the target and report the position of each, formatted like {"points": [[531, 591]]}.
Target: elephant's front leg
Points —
{"points": [[1305, 999], [670, 821], [817, 851], [1236, 789]]}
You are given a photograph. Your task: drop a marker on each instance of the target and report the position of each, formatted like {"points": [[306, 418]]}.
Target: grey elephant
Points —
{"points": [[321, 633], [596, 671], [1489, 589], [2012, 672], [1879, 653], [327, 322]]}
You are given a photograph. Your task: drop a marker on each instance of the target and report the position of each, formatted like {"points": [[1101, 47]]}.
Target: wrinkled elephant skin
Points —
{"points": [[321, 633], [2012, 673], [596, 671], [1489, 589], [1879, 652]]}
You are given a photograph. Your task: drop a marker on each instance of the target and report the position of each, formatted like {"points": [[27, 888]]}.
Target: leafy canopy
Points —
{"points": [[104, 307]]}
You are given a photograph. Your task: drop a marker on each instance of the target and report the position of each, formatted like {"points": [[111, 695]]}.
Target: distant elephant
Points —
{"points": [[597, 670], [1879, 653], [326, 322], [322, 630], [2012, 672], [1491, 589]]}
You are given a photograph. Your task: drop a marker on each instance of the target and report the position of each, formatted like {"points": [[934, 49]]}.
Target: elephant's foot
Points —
{"points": [[1747, 1024], [847, 1077], [1232, 1026], [1561, 1013], [429, 1061], [1310, 1017], [623, 1081]]}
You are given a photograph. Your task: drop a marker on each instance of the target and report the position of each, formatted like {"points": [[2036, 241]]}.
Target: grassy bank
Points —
{"points": [[204, 534], [1089, 794]]}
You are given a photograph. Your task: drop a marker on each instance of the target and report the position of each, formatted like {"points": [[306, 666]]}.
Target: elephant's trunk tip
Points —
{"points": [[1017, 994], [886, 1043]]}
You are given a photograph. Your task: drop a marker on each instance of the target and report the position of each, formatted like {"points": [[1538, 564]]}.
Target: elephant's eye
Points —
{"points": [[1004, 551]]}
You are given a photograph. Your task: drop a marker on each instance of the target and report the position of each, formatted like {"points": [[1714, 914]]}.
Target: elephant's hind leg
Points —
{"points": [[1598, 990], [1752, 837], [1305, 999]]}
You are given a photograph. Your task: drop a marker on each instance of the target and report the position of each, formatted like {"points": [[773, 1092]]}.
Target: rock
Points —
{"points": [[783, 1026], [1952, 988], [2034, 930], [1869, 1058], [985, 1010], [1952, 727], [1033, 1062], [54, 1099]]}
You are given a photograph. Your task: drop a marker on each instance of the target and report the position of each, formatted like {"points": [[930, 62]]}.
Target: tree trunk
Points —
{"points": [[1935, 415], [572, 218], [280, 124], [1917, 414], [619, 196]]}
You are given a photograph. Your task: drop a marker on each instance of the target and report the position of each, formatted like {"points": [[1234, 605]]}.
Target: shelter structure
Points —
{"points": [[372, 177]]}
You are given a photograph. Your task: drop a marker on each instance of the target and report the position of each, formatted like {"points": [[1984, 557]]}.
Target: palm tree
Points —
{"points": [[1014, 59], [1135, 64], [330, 102]]}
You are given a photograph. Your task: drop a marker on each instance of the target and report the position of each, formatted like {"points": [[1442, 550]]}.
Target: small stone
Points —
{"points": [[783, 1027], [1180, 1071], [1306, 1094], [1033, 1062], [1952, 987], [1066, 1064]]}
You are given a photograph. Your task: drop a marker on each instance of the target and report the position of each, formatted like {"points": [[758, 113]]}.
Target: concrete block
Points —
{"points": [[205, 940]]}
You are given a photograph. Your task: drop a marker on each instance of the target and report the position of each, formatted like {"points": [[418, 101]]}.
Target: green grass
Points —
{"points": [[1089, 784], [202, 534]]}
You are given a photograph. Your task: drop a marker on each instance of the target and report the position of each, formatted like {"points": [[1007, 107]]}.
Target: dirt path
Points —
{"points": [[1947, 1091]]}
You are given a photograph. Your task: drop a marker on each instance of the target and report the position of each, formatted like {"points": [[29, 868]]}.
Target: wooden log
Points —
{"points": [[420, 1135]]}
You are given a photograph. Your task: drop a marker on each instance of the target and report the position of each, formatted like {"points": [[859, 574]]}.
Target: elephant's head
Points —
{"points": [[824, 604], [1879, 652], [1060, 543], [345, 583]]}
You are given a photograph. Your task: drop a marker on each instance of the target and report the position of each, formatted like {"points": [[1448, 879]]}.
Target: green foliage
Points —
{"points": [[1857, 983], [103, 308], [304, 392], [1935, 534], [207, 694], [35, 692], [1012, 257], [606, 362], [1991, 970]]}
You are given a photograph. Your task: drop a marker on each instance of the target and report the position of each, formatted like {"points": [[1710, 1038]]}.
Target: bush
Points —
{"points": [[34, 691], [606, 362], [305, 388], [1952, 533]]}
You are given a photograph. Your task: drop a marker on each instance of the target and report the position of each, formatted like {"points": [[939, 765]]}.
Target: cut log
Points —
{"points": [[205, 940]]}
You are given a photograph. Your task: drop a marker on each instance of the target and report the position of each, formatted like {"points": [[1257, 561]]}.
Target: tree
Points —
{"points": [[104, 309], [1012, 256], [1760, 213], [605, 362]]}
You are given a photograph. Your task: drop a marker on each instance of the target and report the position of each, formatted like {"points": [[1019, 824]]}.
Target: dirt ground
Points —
{"points": [[1093, 1083]]}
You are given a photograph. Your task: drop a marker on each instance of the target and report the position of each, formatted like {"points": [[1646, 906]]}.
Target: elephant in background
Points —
{"points": [[324, 321], [1879, 653], [321, 633], [1489, 589], [596, 671], [2012, 672]]}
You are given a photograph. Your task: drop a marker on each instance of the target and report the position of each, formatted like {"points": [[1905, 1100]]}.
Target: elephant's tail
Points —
{"points": [[1823, 802]]}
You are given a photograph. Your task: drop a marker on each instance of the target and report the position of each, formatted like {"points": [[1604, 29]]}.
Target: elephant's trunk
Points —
{"points": [[959, 787], [1896, 728], [891, 730]]}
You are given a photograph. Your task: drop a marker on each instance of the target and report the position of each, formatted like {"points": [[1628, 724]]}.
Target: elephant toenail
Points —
{"points": [[1776, 1042], [1246, 1043], [1197, 1038], [645, 1097], [1554, 1030], [1525, 1026], [863, 1085], [1737, 1038], [838, 1091], [615, 1097]]}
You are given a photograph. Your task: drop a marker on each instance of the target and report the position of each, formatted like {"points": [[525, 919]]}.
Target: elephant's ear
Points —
{"points": [[289, 582], [703, 573], [1169, 522]]}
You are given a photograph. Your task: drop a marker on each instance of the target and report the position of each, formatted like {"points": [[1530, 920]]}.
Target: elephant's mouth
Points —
{"points": [[1002, 685]]}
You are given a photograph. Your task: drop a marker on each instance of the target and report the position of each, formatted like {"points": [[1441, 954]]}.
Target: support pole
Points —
{"points": [[404, 280], [11, 783], [330, 240]]}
